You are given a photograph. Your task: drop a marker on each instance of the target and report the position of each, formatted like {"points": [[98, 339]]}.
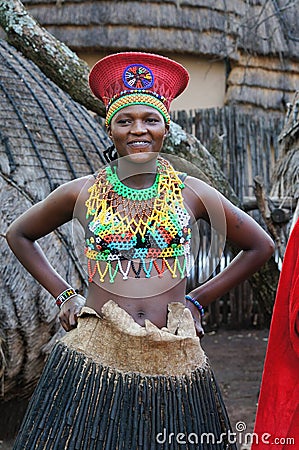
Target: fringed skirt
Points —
{"points": [[112, 384]]}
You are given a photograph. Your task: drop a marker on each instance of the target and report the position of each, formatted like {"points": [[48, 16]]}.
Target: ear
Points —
{"points": [[109, 132]]}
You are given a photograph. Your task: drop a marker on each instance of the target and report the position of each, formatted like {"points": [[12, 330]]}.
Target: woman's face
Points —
{"points": [[138, 131]]}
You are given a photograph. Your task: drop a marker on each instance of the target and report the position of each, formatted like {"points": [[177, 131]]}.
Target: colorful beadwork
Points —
{"points": [[137, 98], [65, 296], [132, 229], [137, 76], [127, 192], [136, 91], [196, 303]]}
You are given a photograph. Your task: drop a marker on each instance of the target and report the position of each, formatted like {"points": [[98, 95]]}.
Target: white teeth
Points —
{"points": [[138, 143]]}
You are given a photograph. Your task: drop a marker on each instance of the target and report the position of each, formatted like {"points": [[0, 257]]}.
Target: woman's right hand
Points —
{"points": [[69, 311]]}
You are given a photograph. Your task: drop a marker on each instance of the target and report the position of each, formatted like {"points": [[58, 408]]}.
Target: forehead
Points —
{"points": [[138, 111]]}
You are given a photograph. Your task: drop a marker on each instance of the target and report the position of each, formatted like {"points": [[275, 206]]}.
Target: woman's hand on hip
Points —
{"points": [[197, 319], [68, 315], [198, 327]]}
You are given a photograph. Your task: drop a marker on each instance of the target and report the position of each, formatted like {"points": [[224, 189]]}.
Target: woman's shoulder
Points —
{"points": [[75, 188], [69, 194], [199, 189], [198, 184], [201, 197]]}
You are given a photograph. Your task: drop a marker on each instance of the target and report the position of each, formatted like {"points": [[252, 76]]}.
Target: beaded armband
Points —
{"points": [[196, 303], [64, 296]]}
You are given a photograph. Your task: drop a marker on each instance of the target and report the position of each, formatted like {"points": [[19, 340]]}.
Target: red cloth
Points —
{"points": [[278, 407]]}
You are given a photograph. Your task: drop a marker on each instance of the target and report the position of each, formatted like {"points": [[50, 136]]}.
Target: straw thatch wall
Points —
{"points": [[45, 139], [263, 82], [285, 178], [256, 39], [191, 26]]}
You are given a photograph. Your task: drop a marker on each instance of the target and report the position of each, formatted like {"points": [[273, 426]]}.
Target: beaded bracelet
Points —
{"points": [[196, 303], [64, 296]]}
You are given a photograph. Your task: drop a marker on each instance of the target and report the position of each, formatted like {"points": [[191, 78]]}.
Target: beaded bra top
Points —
{"points": [[145, 231]]}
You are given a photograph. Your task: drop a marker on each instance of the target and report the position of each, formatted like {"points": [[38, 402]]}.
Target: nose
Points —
{"points": [[138, 127]]}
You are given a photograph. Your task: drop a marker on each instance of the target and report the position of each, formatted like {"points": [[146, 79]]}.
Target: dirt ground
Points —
{"points": [[237, 359]]}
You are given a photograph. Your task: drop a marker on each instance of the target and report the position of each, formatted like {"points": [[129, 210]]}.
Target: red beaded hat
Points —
{"points": [[127, 78]]}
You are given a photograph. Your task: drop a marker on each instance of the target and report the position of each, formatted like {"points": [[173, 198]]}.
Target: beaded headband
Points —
{"points": [[135, 78]]}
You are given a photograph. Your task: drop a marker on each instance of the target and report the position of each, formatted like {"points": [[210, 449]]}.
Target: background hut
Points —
{"points": [[238, 52], [45, 139]]}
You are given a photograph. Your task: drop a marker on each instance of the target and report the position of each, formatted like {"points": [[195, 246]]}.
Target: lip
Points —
{"points": [[140, 143]]}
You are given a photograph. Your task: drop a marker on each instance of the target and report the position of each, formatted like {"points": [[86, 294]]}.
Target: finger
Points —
{"points": [[200, 333], [73, 319], [77, 312], [199, 330], [64, 323]]}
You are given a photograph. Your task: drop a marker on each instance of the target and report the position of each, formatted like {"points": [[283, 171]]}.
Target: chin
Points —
{"points": [[142, 157]]}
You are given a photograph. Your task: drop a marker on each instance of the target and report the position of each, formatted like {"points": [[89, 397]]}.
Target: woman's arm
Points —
{"points": [[240, 229], [38, 221]]}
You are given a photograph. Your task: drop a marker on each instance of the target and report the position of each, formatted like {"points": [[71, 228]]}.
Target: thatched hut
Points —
{"points": [[239, 52], [45, 139]]}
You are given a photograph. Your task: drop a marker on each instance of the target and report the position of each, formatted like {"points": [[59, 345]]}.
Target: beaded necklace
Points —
{"points": [[137, 230]]}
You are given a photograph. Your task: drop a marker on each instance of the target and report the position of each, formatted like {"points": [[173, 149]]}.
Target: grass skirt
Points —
{"points": [[112, 384]]}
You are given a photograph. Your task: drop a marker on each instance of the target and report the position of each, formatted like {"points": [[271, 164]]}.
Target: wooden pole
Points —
{"points": [[53, 57]]}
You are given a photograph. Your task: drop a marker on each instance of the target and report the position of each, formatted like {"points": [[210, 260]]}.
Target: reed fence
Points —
{"points": [[245, 145]]}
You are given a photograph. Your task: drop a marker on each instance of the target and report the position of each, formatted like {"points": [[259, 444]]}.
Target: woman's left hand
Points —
{"points": [[197, 319], [198, 327]]}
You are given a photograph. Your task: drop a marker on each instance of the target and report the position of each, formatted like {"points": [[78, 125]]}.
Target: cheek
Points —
{"points": [[162, 135], [116, 136]]}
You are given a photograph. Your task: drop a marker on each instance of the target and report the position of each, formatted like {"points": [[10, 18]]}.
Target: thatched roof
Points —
{"points": [[197, 27], [45, 139], [258, 39]]}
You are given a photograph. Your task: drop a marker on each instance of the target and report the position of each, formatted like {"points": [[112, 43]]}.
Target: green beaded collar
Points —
{"points": [[131, 193]]}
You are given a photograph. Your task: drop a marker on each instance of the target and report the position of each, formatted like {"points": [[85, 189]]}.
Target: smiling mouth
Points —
{"points": [[138, 143]]}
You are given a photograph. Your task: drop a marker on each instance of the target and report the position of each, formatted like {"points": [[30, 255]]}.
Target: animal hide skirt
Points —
{"points": [[115, 385]]}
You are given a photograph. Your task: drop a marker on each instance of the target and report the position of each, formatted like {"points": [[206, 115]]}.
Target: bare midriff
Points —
{"points": [[142, 298]]}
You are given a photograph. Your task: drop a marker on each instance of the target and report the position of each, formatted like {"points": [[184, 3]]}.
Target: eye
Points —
{"points": [[152, 120], [123, 121]]}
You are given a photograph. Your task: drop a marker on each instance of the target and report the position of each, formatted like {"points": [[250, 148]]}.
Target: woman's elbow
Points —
{"points": [[12, 235], [9, 235], [267, 248]]}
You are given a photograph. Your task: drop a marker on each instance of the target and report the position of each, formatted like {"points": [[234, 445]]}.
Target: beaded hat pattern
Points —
{"points": [[131, 78]]}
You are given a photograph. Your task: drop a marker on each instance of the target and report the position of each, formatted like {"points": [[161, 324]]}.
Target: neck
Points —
{"points": [[137, 175]]}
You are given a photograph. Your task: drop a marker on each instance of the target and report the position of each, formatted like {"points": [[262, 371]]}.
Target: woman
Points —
{"points": [[131, 372]]}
